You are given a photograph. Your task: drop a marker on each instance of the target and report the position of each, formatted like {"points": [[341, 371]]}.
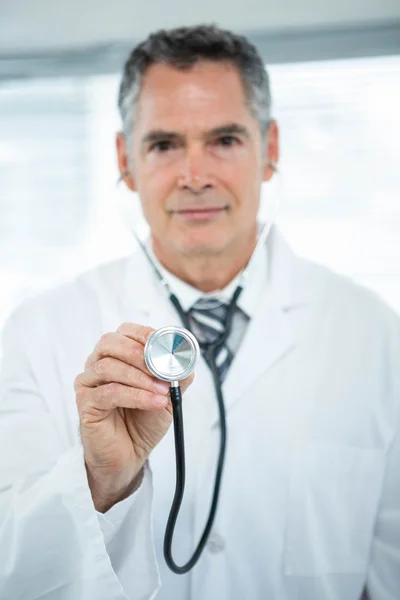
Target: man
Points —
{"points": [[310, 500]]}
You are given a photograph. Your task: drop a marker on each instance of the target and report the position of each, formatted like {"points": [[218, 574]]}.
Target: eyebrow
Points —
{"points": [[230, 129], [160, 134]]}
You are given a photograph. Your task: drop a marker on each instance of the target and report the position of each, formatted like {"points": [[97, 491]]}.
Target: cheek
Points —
{"points": [[154, 187], [243, 181], [240, 165]]}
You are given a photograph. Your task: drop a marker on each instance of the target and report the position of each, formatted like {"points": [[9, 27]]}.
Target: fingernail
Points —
{"points": [[162, 387], [160, 400]]}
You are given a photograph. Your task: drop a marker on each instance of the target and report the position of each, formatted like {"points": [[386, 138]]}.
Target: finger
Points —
{"points": [[121, 347], [139, 333], [115, 395], [108, 370]]}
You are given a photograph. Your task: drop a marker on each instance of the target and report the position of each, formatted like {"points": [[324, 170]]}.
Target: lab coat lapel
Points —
{"points": [[270, 335], [268, 338]]}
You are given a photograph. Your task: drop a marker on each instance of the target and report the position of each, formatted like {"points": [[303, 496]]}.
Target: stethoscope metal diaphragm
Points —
{"points": [[171, 353]]}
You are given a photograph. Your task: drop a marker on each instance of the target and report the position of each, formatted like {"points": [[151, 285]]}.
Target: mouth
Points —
{"points": [[201, 213]]}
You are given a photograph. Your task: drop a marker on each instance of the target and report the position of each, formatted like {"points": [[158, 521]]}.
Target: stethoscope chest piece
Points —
{"points": [[171, 353]]}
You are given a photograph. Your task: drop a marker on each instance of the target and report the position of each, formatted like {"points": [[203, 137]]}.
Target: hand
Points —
{"points": [[124, 412]]}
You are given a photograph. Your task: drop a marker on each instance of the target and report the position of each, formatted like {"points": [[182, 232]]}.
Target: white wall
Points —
{"points": [[57, 24]]}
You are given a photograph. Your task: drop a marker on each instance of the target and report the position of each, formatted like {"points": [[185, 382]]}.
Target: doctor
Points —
{"points": [[310, 500]]}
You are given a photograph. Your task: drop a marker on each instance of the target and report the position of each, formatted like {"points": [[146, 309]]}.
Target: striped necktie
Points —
{"points": [[207, 320]]}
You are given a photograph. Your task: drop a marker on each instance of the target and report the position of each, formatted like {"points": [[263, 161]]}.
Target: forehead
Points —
{"points": [[203, 96]]}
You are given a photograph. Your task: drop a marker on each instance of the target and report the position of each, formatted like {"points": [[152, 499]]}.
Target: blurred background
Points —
{"points": [[335, 76]]}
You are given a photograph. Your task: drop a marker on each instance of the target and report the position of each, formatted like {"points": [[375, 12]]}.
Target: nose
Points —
{"points": [[195, 175]]}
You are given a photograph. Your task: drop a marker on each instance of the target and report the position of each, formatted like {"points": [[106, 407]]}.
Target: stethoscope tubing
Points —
{"points": [[210, 351]]}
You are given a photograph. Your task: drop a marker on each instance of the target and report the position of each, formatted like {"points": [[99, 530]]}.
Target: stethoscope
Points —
{"points": [[171, 354]]}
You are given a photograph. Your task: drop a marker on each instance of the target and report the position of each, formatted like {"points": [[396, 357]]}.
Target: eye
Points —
{"points": [[162, 146], [227, 140]]}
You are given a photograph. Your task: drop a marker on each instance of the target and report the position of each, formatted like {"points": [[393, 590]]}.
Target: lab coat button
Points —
{"points": [[216, 543]]}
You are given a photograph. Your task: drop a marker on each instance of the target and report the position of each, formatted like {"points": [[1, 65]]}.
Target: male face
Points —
{"points": [[197, 159]]}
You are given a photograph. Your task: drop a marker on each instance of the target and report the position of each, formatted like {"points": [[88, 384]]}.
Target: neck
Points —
{"points": [[207, 272]]}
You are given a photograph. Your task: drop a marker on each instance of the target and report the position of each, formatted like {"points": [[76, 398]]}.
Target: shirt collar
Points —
{"points": [[255, 280]]}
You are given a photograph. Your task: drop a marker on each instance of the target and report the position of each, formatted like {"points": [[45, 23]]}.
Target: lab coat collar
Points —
{"points": [[289, 275], [188, 295], [287, 278]]}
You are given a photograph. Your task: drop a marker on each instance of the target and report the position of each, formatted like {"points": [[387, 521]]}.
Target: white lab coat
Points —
{"points": [[310, 502]]}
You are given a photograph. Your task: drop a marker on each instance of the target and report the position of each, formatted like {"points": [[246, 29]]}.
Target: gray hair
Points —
{"points": [[182, 48]]}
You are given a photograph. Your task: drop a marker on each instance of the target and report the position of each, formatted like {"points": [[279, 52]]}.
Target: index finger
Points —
{"points": [[139, 333]]}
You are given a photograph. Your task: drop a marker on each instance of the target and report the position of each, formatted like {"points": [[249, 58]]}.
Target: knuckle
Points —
{"points": [[88, 362], [137, 350], [104, 343], [110, 389], [143, 379], [77, 382], [80, 398], [85, 419], [141, 397], [146, 397], [102, 366], [110, 393], [124, 327], [141, 332]]}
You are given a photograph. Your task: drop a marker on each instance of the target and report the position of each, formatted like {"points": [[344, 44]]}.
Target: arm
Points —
{"points": [[51, 539]]}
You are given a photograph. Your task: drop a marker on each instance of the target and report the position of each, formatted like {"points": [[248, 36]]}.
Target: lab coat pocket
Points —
{"points": [[333, 498]]}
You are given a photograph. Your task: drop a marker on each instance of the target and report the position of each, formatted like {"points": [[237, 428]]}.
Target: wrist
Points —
{"points": [[108, 490]]}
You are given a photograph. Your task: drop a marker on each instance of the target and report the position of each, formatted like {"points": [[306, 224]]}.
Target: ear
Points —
{"points": [[123, 161], [271, 150]]}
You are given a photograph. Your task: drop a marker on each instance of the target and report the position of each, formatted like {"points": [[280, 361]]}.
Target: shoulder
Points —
{"points": [[300, 279], [76, 299], [338, 311], [339, 295]]}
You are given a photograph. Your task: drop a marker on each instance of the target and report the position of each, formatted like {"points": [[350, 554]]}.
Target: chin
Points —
{"points": [[201, 245]]}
